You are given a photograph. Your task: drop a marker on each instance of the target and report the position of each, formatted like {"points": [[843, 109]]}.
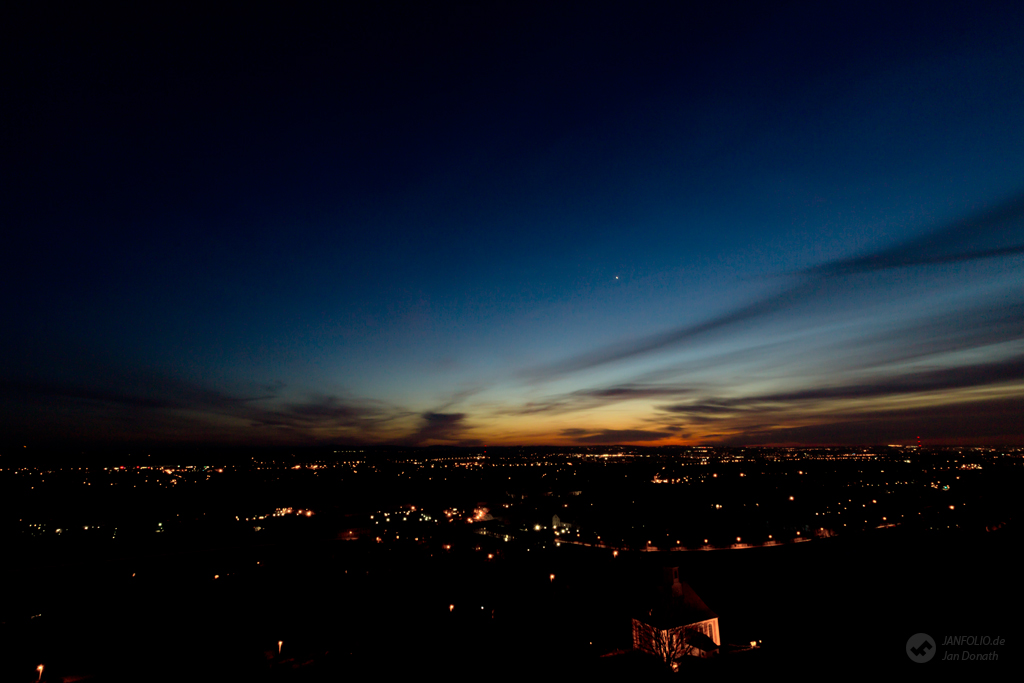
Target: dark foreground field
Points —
{"points": [[345, 610]]}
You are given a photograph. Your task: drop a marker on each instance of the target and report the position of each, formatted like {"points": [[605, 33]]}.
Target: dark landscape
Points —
{"points": [[166, 583]]}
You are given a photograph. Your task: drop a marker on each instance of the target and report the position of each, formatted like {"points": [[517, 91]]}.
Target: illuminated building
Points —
{"points": [[561, 522], [677, 624]]}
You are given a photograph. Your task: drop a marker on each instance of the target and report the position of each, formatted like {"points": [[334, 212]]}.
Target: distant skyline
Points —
{"points": [[734, 224]]}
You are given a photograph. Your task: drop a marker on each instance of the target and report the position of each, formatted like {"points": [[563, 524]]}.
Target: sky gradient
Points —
{"points": [[581, 224]]}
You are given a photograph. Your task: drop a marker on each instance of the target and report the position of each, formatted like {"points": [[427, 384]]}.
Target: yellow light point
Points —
{"points": [[279, 644], [615, 553], [552, 577], [451, 608], [791, 497]]}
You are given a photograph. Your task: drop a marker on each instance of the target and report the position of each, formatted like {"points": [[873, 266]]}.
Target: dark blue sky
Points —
{"points": [[589, 223]]}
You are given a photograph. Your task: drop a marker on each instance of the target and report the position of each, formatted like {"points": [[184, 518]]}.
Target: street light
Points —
{"points": [[40, 670], [279, 644]]}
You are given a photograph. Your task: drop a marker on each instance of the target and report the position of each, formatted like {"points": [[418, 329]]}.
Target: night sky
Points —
{"points": [[494, 224]]}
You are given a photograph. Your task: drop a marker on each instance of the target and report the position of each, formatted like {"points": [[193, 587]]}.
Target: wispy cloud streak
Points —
{"points": [[183, 407], [940, 379], [962, 241]]}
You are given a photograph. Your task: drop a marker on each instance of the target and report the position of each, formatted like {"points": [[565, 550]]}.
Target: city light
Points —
{"points": [[626, 520]]}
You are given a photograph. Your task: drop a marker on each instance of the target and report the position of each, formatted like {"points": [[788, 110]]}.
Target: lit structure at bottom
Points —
{"points": [[678, 625]]}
